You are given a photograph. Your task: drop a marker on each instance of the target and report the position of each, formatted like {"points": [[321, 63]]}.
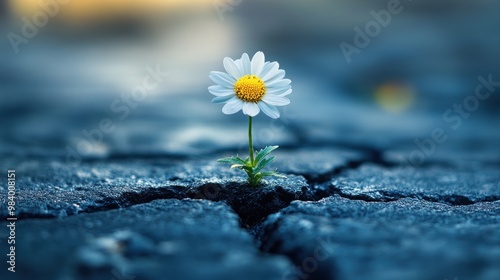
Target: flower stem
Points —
{"points": [[250, 141]]}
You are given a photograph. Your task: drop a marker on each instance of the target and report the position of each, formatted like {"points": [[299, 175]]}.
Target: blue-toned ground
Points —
{"points": [[344, 214]]}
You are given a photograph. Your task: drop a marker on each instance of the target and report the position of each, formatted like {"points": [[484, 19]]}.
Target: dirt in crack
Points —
{"points": [[253, 205]]}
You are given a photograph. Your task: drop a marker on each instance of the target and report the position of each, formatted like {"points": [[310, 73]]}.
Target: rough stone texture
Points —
{"points": [[474, 146], [51, 188], [164, 239], [319, 163], [345, 210], [339, 238], [456, 186]]}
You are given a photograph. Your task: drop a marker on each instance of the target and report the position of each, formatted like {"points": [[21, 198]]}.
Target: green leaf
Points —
{"points": [[253, 169], [264, 152], [248, 169], [272, 173], [240, 166], [233, 160], [263, 163]]}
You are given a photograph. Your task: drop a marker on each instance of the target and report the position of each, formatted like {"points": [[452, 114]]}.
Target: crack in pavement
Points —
{"points": [[251, 211], [451, 200]]}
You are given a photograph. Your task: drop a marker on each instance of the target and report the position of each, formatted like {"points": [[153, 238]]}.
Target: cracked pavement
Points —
{"points": [[343, 213]]}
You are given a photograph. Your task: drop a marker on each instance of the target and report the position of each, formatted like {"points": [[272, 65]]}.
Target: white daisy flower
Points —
{"points": [[250, 85]]}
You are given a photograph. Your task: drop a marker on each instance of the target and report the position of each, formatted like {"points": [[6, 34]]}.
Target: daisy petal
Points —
{"points": [[221, 99], [251, 109], [220, 91], [280, 74], [272, 99], [257, 63], [245, 65], [285, 93], [269, 70], [279, 83], [232, 106], [269, 110], [278, 90], [222, 79], [232, 68]]}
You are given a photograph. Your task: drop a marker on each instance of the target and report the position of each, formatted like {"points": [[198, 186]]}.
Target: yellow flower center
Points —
{"points": [[250, 88]]}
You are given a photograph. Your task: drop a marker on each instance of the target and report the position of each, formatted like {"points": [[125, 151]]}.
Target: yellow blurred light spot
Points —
{"points": [[77, 11], [394, 97]]}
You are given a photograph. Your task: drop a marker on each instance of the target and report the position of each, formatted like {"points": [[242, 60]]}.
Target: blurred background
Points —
{"points": [[66, 65]]}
